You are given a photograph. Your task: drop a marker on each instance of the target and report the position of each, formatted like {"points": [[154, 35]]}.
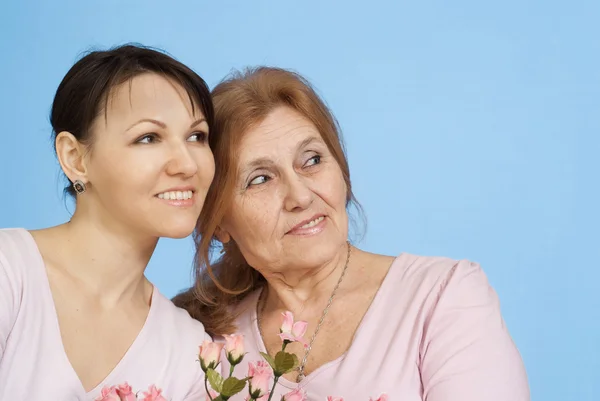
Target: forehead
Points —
{"points": [[147, 95], [281, 131]]}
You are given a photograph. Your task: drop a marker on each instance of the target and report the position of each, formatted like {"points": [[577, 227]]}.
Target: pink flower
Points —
{"points": [[330, 398], [125, 392], [260, 377], [108, 394], [382, 397], [293, 331], [234, 348], [153, 394], [210, 353], [296, 395]]}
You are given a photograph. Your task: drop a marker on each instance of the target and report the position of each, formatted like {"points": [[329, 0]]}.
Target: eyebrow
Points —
{"points": [[308, 141], [161, 124], [260, 162], [264, 161]]}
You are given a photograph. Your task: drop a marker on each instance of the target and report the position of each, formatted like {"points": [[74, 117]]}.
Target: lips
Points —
{"points": [[176, 195], [308, 223]]}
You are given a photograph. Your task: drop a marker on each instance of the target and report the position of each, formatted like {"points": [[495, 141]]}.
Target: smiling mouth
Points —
{"points": [[312, 223], [176, 195], [307, 224]]}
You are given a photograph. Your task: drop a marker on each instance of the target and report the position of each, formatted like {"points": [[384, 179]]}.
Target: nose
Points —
{"points": [[181, 161], [299, 195]]}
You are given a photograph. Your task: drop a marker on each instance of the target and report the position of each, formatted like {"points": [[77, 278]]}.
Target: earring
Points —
{"points": [[79, 187]]}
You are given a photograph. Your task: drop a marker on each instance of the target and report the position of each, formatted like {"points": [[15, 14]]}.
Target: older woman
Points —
{"points": [[414, 327]]}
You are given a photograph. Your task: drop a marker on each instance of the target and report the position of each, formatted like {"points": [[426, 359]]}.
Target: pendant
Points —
{"points": [[300, 377]]}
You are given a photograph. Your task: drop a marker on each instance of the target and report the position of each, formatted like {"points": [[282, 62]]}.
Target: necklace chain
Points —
{"points": [[323, 315]]}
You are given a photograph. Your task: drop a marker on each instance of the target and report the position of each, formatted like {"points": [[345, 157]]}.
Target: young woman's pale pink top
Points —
{"points": [[434, 332], [33, 363]]}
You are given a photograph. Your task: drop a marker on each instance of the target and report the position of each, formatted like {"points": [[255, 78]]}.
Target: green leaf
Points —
{"points": [[215, 380], [232, 386], [269, 360], [285, 362]]}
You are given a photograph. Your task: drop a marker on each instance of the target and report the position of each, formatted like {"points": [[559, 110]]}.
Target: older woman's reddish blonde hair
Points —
{"points": [[242, 101]]}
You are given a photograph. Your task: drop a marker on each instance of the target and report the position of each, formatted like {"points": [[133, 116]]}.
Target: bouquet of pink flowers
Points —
{"points": [[260, 373], [124, 392]]}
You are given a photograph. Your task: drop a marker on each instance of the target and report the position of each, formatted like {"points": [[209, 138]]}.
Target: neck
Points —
{"points": [[107, 259], [302, 292]]}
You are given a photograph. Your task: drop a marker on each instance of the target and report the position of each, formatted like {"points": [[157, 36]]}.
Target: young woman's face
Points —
{"points": [[150, 165]]}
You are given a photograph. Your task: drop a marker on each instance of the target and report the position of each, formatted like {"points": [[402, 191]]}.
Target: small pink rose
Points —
{"points": [[210, 353], [330, 398], [296, 395], [153, 394], [125, 392], [234, 348], [288, 322], [260, 377], [108, 394], [382, 397], [293, 331]]}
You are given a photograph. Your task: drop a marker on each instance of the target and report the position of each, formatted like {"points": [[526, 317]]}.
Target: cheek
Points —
{"points": [[206, 166], [124, 175], [254, 221], [333, 189]]}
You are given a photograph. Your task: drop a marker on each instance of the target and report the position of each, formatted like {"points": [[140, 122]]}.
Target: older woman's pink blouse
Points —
{"points": [[434, 332]]}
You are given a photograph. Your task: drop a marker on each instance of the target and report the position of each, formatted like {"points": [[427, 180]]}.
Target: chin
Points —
{"points": [[317, 252], [177, 232]]}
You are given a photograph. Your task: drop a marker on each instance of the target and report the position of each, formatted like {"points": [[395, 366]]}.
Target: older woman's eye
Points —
{"points": [[198, 137], [312, 161], [261, 179]]}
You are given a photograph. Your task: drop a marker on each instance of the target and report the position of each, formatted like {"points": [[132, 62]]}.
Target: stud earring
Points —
{"points": [[79, 187]]}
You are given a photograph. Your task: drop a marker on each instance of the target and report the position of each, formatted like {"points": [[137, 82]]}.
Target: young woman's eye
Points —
{"points": [[148, 138], [198, 137], [261, 179], [313, 160]]}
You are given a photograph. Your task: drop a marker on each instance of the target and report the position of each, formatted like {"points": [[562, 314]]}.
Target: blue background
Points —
{"points": [[472, 130]]}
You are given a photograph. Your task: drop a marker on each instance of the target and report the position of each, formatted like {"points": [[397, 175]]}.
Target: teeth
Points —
{"points": [[176, 195], [314, 222]]}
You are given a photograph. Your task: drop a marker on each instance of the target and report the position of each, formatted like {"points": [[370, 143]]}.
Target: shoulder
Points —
{"points": [[438, 272], [17, 251], [15, 243], [178, 322], [433, 284]]}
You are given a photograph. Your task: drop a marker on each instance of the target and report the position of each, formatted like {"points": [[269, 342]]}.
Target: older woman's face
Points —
{"points": [[289, 209]]}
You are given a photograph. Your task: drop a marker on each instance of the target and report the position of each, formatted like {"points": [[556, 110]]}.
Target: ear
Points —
{"points": [[222, 235], [71, 156]]}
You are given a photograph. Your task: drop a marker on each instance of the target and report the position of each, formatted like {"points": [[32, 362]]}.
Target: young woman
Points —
{"points": [[77, 314]]}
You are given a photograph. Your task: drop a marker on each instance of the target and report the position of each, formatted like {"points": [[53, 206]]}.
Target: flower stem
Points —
{"points": [[206, 386], [273, 388], [231, 370]]}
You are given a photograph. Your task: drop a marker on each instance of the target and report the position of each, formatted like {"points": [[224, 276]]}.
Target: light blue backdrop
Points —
{"points": [[472, 129]]}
